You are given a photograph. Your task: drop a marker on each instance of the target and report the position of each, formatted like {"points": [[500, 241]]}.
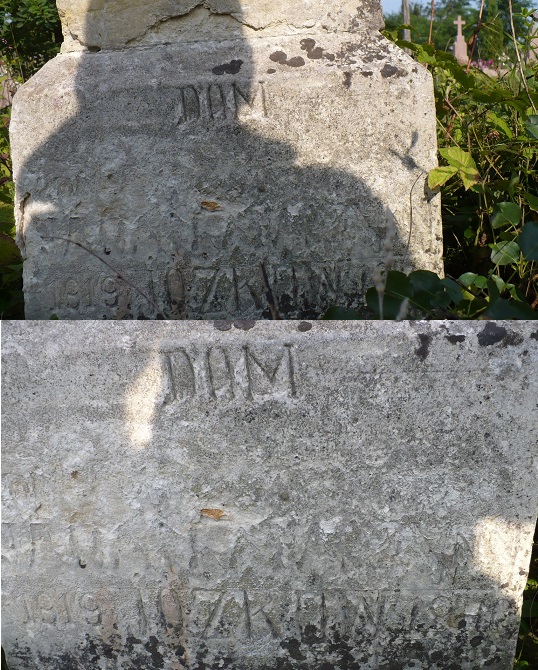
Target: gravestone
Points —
{"points": [[262, 495], [173, 147], [460, 45]]}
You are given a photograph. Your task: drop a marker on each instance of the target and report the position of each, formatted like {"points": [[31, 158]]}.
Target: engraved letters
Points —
{"points": [[224, 374], [218, 102], [215, 293]]}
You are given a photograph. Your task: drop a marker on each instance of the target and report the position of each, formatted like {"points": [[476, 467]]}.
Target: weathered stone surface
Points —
{"points": [[267, 495], [96, 24], [184, 165]]}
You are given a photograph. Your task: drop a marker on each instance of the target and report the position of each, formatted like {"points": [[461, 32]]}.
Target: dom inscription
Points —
{"points": [[219, 373], [219, 102]]}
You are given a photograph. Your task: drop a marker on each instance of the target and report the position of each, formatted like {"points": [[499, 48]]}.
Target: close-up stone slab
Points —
{"points": [[116, 24], [174, 148], [267, 495]]}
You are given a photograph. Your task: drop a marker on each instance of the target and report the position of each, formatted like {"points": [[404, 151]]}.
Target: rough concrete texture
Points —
{"points": [[267, 496], [115, 24], [184, 162]]}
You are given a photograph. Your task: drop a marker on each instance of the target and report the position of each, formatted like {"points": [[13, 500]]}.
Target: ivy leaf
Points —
{"points": [[504, 253], [427, 289], [469, 176], [398, 287], [341, 314], [511, 309], [458, 158], [453, 290], [440, 175], [500, 123], [528, 241], [532, 126], [463, 162], [467, 279], [532, 201], [506, 213], [9, 251]]}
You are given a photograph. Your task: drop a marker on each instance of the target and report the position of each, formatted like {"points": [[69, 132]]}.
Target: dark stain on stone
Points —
{"points": [[81, 563], [346, 53], [454, 339], [244, 325], [512, 339], [304, 326], [312, 51], [423, 350], [180, 652], [298, 61], [330, 57], [152, 647], [308, 44], [310, 635], [391, 71], [348, 76], [491, 334], [367, 73], [475, 641], [222, 325], [534, 336], [282, 58], [293, 647], [279, 57], [232, 67], [271, 70]]}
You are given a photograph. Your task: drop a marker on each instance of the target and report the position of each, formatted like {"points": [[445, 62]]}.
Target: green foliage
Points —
{"points": [[11, 296], [488, 174], [30, 35], [488, 132], [492, 43], [422, 294], [493, 37], [444, 31]]}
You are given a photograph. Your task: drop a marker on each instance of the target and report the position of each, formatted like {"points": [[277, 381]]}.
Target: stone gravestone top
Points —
{"points": [[267, 495], [175, 146], [117, 24], [460, 45]]}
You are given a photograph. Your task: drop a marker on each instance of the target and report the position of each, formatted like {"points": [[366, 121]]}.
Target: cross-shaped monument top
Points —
{"points": [[460, 45], [460, 25]]}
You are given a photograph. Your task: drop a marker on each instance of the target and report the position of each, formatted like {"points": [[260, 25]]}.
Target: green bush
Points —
{"points": [[488, 175], [30, 35]]}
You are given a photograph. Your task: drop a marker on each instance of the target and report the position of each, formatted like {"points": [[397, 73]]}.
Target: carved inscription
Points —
{"points": [[224, 374], [110, 292], [229, 290], [219, 102], [214, 293], [244, 615]]}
